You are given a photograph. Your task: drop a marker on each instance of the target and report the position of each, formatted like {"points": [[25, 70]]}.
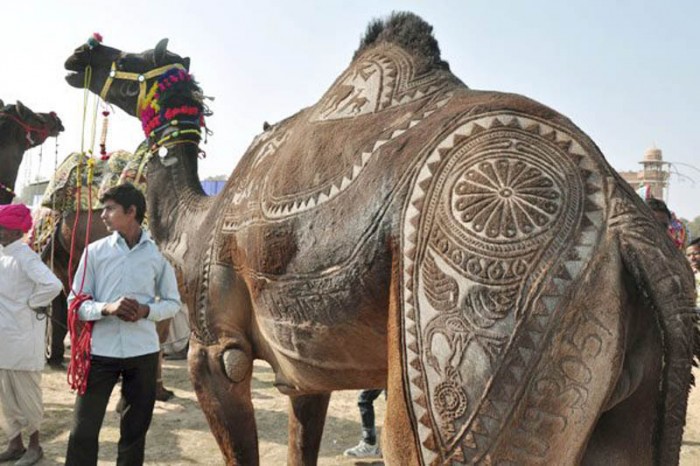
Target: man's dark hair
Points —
{"points": [[658, 205], [695, 242], [127, 195]]}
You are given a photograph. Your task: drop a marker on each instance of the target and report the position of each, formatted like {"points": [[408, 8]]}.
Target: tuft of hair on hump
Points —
{"points": [[410, 32]]}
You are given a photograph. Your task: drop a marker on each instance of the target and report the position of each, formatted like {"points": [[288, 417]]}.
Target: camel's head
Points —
{"points": [[32, 129], [20, 129], [118, 77]]}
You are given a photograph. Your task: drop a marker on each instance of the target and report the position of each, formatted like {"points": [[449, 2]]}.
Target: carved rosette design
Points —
{"points": [[503, 215], [450, 400], [505, 198]]}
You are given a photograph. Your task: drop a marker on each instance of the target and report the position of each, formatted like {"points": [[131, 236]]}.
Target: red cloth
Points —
{"points": [[15, 217]]}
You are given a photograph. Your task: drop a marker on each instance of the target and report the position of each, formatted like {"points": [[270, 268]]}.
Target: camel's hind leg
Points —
{"points": [[221, 375], [307, 415], [624, 434]]}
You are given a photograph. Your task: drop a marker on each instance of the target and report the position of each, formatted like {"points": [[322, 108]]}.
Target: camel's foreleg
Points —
{"points": [[221, 375], [56, 329], [162, 393], [398, 440], [307, 415]]}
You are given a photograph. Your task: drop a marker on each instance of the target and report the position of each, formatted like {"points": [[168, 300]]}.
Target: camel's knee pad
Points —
{"points": [[237, 364]]}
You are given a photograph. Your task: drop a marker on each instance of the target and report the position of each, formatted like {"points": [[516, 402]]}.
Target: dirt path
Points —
{"points": [[179, 434]]}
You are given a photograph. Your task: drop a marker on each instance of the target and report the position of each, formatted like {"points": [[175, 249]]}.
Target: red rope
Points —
{"points": [[80, 346], [80, 332]]}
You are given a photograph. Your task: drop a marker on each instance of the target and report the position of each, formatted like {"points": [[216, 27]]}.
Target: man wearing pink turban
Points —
{"points": [[26, 284], [15, 217]]}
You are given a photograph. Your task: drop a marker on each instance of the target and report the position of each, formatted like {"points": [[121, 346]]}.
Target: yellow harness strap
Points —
{"points": [[142, 78]]}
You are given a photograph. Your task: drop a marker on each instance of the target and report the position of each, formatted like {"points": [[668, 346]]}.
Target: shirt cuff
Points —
{"points": [[91, 310], [162, 310]]}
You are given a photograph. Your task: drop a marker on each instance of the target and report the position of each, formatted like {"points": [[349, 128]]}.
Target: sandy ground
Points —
{"points": [[179, 434]]}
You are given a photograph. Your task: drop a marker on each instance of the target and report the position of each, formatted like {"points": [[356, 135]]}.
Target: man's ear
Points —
{"points": [[130, 210]]}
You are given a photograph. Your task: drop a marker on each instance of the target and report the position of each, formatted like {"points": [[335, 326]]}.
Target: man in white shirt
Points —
{"points": [[26, 285], [131, 287]]}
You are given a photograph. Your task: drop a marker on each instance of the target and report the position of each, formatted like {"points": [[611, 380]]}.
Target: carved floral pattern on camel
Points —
{"points": [[381, 79], [510, 209], [395, 86]]}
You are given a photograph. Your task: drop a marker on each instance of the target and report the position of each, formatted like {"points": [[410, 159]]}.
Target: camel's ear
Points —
{"points": [[22, 111], [160, 51], [186, 63], [2, 104]]}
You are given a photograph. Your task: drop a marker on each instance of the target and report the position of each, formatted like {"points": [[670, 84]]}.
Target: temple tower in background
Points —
{"points": [[654, 172]]}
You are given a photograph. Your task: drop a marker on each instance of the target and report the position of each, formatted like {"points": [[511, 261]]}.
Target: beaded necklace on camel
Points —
{"points": [[168, 125]]}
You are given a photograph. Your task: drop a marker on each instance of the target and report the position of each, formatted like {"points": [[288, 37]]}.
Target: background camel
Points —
{"points": [[470, 250], [20, 129]]}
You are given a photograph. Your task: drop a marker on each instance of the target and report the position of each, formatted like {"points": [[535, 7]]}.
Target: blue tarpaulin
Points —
{"points": [[212, 187]]}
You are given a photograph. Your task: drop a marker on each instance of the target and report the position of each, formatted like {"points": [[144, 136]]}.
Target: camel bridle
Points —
{"points": [[28, 130], [43, 133], [141, 78]]}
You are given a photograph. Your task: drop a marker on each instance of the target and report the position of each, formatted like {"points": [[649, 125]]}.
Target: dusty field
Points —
{"points": [[179, 434]]}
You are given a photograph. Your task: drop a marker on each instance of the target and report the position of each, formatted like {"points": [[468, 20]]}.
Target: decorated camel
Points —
{"points": [[20, 129], [470, 250], [70, 208]]}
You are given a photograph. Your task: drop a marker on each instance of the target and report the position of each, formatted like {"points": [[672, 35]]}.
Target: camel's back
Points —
{"points": [[345, 163], [340, 163]]}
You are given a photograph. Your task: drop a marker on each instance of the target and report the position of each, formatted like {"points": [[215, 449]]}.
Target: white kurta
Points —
{"points": [[25, 283], [21, 406]]}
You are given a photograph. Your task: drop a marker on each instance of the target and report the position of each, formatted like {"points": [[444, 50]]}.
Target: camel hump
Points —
{"points": [[397, 64], [126, 167], [408, 31], [44, 226], [503, 216], [71, 179]]}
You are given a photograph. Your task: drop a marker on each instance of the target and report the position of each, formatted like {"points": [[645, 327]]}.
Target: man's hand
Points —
{"points": [[127, 309]]}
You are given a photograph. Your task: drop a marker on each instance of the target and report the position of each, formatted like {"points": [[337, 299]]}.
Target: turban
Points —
{"points": [[15, 217]]}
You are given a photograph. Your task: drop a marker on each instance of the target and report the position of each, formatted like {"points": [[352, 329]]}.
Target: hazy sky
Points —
{"points": [[626, 72]]}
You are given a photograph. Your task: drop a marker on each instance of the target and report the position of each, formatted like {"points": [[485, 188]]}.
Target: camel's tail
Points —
{"points": [[665, 278]]}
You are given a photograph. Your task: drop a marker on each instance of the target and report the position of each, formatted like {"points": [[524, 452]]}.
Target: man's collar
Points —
{"points": [[13, 246], [115, 238]]}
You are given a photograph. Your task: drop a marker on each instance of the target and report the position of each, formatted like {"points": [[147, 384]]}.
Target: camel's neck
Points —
{"points": [[176, 202], [171, 116], [10, 159]]}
